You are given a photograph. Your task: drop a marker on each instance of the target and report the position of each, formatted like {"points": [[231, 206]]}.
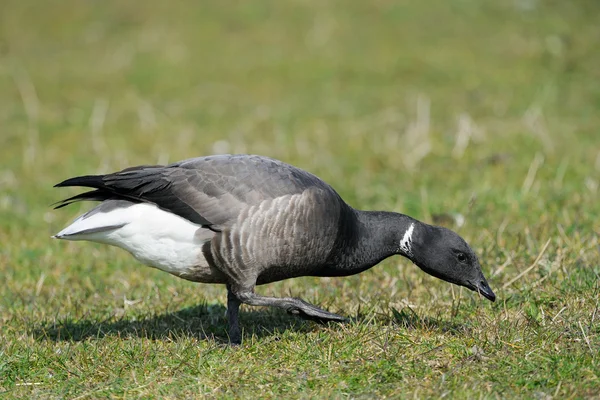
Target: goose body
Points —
{"points": [[245, 220]]}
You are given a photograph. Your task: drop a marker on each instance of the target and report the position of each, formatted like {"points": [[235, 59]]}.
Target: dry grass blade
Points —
{"points": [[587, 340], [532, 266]]}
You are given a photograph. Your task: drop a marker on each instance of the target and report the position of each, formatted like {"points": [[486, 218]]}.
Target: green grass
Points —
{"points": [[484, 109]]}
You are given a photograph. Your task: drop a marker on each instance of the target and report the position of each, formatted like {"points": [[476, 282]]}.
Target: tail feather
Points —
{"points": [[92, 181], [70, 232], [133, 184], [93, 195], [98, 222], [103, 191]]}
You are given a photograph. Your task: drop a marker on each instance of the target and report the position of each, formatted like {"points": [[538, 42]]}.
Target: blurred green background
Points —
{"points": [[484, 111]]}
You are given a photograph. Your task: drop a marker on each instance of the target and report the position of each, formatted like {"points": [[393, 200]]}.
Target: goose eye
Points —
{"points": [[461, 257]]}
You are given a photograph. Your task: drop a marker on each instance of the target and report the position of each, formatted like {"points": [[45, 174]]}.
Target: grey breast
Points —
{"points": [[281, 238]]}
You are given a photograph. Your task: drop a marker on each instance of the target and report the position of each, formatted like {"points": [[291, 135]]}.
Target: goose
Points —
{"points": [[248, 220]]}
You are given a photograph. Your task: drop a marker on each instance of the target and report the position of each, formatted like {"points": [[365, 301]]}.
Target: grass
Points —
{"points": [[478, 109]]}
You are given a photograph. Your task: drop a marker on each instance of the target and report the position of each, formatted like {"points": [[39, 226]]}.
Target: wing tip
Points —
{"points": [[93, 181]]}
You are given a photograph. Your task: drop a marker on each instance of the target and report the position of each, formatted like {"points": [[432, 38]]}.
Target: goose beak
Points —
{"points": [[484, 289]]}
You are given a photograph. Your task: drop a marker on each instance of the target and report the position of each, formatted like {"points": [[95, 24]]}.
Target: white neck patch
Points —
{"points": [[406, 242]]}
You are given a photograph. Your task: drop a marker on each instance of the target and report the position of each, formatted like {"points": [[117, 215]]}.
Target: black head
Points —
{"points": [[442, 253]]}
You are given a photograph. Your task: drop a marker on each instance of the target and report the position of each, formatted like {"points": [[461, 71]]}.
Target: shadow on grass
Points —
{"points": [[208, 322], [407, 318], [203, 322]]}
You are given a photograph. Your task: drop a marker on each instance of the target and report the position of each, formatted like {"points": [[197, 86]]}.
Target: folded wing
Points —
{"points": [[209, 191]]}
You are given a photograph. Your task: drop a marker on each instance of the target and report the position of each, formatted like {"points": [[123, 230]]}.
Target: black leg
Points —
{"points": [[233, 308], [291, 305]]}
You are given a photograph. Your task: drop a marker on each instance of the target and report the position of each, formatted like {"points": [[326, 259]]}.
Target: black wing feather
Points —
{"points": [[93, 181], [93, 195]]}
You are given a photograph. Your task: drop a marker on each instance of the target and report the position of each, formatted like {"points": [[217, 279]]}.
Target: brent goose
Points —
{"points": [[247, 220]]}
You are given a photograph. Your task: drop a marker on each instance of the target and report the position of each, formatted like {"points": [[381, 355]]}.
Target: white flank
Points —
{"points": [[406, 242], [155, 237]]}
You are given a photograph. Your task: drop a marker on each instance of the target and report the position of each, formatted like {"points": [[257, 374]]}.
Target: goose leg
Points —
{"points": [[233, 308], [291, 305]]}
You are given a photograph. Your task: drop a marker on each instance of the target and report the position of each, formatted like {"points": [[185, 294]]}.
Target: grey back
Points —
{"points": [[212, 191]]}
